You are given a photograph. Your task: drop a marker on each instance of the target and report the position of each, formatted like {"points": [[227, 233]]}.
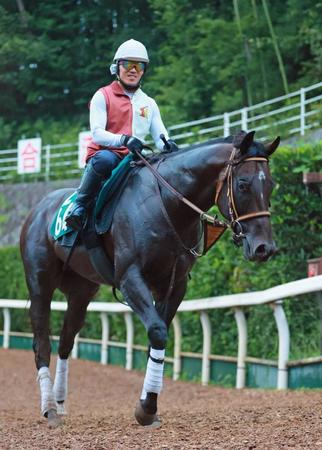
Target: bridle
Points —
{"points": [[226, 174], [235, 218]]}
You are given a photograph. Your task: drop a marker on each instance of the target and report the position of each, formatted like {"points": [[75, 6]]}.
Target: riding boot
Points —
{"points": [[89, 187]]}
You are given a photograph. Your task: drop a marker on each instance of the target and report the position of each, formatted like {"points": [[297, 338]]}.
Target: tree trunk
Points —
{"points": [[260, 54], [247, 54], [276, 47], [22, 11]]}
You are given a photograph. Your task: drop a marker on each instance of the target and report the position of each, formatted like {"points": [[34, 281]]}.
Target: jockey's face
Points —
{"points": [[131, 73]]}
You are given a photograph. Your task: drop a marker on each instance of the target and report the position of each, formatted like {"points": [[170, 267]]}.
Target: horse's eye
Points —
{"points": [[243, 186]]}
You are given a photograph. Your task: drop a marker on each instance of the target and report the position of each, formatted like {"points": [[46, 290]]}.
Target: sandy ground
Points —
{"points": [[101, 404]]}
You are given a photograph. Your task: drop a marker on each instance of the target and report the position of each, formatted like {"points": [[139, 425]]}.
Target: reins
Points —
{"points": [[193, 250], [226, 174], [203, 214]]}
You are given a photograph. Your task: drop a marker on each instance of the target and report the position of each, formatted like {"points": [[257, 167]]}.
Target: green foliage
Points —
{"points": [[296, 217], [12, 282], [12, 278], [3, 217], [203, 61]]}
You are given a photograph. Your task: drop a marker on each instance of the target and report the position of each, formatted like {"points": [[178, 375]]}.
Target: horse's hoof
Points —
{"points": [[61, 409], [54, 420], [144, 419]]}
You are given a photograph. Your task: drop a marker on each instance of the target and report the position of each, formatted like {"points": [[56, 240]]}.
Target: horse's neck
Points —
{"points": [[195, 175]]}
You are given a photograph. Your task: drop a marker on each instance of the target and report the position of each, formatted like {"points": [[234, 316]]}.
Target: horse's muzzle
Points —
{"points": [[259, 253]]}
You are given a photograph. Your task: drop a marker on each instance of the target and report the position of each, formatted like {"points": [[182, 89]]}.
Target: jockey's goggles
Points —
{"points": [[128, 65]]}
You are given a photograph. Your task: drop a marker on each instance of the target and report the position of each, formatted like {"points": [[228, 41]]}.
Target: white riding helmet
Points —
{"points": [[132, 50]]}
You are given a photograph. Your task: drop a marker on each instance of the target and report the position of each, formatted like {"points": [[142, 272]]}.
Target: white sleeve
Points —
{"points": [[157, 127], [98, 119]]}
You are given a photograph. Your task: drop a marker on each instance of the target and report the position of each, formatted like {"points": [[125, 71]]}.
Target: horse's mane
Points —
{"points": [[256, 149]]}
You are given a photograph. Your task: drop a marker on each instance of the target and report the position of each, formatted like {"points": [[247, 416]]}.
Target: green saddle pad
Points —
{"points": [[113, 183]]}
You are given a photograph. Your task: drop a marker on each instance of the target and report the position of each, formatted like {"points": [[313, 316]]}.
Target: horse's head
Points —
{"points": [[243, 195]]}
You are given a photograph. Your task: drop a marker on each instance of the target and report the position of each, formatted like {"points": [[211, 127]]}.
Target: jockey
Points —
{"points": [[121, 115]]}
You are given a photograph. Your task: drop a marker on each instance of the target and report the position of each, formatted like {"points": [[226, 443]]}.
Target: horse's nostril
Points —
{"points": [[261, 250], [264, 251]]}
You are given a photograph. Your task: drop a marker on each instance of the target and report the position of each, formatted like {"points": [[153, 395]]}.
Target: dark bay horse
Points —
{"points": [[152, 242]]}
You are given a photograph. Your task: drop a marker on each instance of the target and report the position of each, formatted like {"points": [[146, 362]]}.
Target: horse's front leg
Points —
{"points": [[61, 384], [167, 310], [139, 297]]}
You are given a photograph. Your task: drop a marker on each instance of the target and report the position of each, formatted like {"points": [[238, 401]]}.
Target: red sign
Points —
{"points": [[314, 267], [29, 152]]}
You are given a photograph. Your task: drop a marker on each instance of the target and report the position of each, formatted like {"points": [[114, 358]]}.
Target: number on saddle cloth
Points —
{"points": [[58, 227]]}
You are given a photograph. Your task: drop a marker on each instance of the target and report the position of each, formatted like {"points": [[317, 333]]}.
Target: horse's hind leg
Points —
{"points": [[40, 297], [79, 292]]}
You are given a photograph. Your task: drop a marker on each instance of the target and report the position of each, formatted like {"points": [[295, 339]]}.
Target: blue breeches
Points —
{"points": [[104, 161]]}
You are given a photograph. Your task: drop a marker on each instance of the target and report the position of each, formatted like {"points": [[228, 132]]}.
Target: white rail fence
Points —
{"points": [[290, 114], [287, 115], [273, 297]]}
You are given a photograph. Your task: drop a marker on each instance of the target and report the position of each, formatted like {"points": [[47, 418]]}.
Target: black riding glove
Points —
{"points": [[170, 146], [132, 143]]}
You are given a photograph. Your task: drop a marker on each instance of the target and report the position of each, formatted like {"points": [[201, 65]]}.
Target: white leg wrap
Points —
{"points": [[61, 380], [154, 373], [46, 390]]}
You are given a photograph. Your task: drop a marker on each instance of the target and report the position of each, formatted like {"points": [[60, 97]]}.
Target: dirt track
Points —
{"points": [[102, 399]]}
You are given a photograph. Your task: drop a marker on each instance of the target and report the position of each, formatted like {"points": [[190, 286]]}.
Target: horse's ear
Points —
{"points": [[272, 146], [246, 142]]}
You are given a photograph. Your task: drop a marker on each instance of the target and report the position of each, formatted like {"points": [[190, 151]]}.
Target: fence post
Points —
{"points": [[283, 344], [244, 118], [206, 347], [129, 340], [242, 348], [105, 336], [6, 327], [177, 348], [302, 113], [226, 124], [47, 165]]}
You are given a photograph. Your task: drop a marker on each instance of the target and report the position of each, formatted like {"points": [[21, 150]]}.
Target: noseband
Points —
{"points": [[235, 218]]}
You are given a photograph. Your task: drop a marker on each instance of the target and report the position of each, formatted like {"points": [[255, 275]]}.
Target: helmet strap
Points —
{"points": [[127, 86]]}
